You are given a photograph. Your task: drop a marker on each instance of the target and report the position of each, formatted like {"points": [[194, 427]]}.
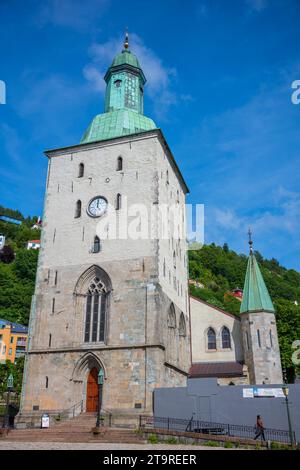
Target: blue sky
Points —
{"points": [[219, 85]]}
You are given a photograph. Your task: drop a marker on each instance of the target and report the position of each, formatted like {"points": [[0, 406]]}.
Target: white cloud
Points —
{"points": [[257, 5], [159, 87], [76, 14]]}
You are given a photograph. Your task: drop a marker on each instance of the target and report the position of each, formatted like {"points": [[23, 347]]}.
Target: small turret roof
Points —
{"points": [[126, 58], [256, 297]]}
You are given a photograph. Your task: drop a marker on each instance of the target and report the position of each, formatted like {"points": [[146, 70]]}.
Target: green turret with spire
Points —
{"points": [[124, 100], [256, 297], [259, 332]]}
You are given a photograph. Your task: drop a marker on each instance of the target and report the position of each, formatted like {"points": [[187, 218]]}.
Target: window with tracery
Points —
{"points": [[96, 306]]}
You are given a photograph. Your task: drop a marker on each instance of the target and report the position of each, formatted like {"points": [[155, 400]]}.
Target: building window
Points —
{"points": [[119, 164], [271, 338], [55, 278], [96, 245], [53, 305], [172, 317], [164, 268], [11, 340], [174, 259], [211, 339], [50, 340], [80, 170], [78, 209], [167, 177], [10, 352], [247, 340], [182, 326], [96, 307], [226, 342], [47, 382], [118, 202], [4, 349], [258, 339]]}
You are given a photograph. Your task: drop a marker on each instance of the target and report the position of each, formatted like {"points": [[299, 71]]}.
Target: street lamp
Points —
{"points": [[285, 390], [10, 386], [100, 388]]}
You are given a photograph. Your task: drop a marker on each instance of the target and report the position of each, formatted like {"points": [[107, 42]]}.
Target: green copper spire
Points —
{"points": [[124, 100], [256, 297]]}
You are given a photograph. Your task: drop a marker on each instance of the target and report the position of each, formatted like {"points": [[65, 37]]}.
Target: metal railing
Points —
{"points": [[72, 411], [213, 428]]}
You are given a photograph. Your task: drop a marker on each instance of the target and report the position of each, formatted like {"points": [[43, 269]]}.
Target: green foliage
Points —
{"points": [[7, 255], [153, 439], [220, 270], [17, 278], [211, 444], [16, 370], [171, 440], [228, 445], [288, 327]]}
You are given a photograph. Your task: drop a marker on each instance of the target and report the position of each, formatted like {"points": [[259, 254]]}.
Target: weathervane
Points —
{"points": [[126, 42], [250, 241]]}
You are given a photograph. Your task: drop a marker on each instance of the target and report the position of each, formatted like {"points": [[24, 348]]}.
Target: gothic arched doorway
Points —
{"points": [[92, 391]]}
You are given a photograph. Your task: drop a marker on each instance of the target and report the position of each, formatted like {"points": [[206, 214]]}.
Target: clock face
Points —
{"points": [[97, 206]]}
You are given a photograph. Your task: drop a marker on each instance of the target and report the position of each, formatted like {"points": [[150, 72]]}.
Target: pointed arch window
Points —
{"points": [[226, 340], [118, 202], [211, 339], [96, 245], [80, 170], [119, 164], [172, 317], [95, 316], [78, 209], [182, 325]]}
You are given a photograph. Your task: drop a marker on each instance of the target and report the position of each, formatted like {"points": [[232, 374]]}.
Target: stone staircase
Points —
{"points": [[78, 429]]}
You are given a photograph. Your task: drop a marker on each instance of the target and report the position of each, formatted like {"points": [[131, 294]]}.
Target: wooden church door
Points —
{"points": [[92, 391]]}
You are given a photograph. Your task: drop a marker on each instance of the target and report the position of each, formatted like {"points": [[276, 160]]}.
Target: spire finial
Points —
{"points": [[250, 241], [126, 42]]}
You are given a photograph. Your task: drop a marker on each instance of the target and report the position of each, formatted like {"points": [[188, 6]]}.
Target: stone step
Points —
{"points": [[77, 429]]}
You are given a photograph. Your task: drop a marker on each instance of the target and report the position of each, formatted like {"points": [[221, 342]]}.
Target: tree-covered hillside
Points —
{"points": [[17, 278], [220, 270]]}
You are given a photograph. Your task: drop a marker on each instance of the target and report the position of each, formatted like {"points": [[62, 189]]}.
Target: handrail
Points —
{"points": [[72, 409], [209, 427]]}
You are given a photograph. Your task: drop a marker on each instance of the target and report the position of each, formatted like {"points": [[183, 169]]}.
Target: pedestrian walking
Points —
{"points": [[259, 429]]}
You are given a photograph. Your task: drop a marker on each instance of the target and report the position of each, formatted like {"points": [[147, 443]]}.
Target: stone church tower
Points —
{"points": [[116, 303], [259, 332]]}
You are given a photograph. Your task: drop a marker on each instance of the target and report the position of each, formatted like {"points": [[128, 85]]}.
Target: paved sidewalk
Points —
{"points": [[6, 445]]}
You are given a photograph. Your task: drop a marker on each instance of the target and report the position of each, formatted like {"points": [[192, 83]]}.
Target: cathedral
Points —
{"points": [[117, 305]]}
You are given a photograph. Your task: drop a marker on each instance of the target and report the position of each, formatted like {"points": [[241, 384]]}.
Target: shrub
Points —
{"points": [[153, 439], [171, 440], [211, 444], [228, 445]]}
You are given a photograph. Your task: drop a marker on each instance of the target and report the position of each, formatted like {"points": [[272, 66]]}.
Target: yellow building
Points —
{"points": [[13, 340]]}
